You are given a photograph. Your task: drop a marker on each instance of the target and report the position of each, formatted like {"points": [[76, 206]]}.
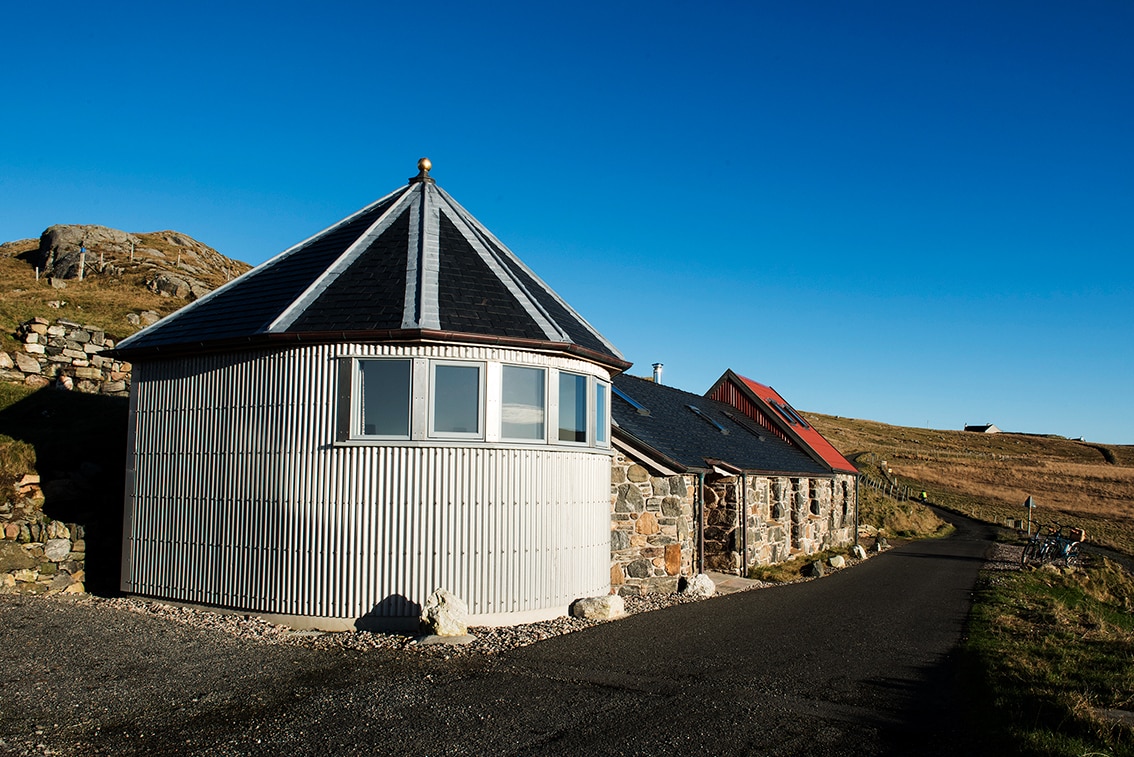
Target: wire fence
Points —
{"points": [[888, 486]]}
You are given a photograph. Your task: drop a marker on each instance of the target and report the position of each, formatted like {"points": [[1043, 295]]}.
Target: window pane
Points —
{"points": [[456, 399], [385, 397], [522, 406], [601, 422], [572, 408]]}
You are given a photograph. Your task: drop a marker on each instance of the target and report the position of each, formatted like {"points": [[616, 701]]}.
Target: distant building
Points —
{"points": [[986, 428]]}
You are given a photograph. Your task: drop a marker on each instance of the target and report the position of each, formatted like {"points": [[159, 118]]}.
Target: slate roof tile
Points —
{"points": [[378, 271], [693, 439]]}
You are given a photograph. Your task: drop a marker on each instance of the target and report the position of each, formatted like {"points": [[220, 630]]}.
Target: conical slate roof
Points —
{"points": [[412, 266]]}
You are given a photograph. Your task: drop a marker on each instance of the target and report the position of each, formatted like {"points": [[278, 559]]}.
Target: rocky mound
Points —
{"points": [[173, 264]]}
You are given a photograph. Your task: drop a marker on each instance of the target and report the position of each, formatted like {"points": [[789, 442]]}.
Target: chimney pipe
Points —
{"points": [[657, 373]]}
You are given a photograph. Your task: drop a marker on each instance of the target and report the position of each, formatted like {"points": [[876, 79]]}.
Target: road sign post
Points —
{"points": [[1030, 504]]}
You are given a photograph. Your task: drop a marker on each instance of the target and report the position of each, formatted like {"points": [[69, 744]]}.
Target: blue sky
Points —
{"points": [[917, 213]]}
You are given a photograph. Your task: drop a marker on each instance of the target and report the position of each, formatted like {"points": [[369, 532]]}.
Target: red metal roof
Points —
{"points": [[765, 406]]}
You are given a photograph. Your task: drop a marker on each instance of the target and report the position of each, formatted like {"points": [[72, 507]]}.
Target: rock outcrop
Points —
{"points": [[174, 265]]}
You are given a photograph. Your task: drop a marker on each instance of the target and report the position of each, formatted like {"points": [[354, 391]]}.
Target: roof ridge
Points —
{"points": [[526, 299], [353, 251], [524, 267], [259, 270]]}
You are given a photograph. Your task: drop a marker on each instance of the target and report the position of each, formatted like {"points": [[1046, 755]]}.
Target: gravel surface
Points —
{"points": [[89, 675], [488, 640]]}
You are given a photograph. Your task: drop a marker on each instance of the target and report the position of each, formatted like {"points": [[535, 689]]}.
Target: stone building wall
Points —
{"points": [[651, 521], [786, 516], [65, 354]]}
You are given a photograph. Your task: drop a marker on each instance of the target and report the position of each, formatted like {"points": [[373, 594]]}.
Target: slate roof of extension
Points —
{"points": [[688, 439], [411, 266]]}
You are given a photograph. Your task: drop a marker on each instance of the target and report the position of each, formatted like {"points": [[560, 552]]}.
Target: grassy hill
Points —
{"points": [[990, 475], [118, 281]]}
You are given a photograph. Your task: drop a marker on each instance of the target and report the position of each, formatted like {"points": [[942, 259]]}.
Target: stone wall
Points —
{"points": [[652, 535], [38, 555], [65, 354], [786, 516]]}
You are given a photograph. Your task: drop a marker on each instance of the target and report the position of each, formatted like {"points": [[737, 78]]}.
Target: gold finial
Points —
{"points": [[423, 167]]}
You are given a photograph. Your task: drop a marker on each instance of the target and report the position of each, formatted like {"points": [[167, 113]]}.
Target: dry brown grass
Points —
{"points": [[101, 299], [990, 475]]}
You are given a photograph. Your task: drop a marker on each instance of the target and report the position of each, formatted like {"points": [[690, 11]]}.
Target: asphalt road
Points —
{"points": [[858, 663]]}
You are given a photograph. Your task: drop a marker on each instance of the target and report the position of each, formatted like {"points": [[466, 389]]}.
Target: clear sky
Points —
{"points": [[917, 213]]}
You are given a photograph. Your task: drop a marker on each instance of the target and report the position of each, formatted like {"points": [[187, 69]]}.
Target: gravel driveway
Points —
{"points": [[746, 673]]}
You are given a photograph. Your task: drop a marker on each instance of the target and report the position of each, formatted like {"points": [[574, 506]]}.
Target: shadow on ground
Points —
{"points": [[80, 447]]}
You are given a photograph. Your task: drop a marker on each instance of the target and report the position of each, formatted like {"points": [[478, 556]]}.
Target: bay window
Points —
{"points": [[420, 399]]}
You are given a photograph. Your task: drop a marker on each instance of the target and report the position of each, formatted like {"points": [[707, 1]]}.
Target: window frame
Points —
{"points": [[431, 418], [588, 421], [543, 438], [358, 399], [421, 404], [603, 422]]}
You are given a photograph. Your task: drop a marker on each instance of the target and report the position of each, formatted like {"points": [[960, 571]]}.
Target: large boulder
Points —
{"points": [[181, 287], [700, 585], [445, 614], [607, 607]]}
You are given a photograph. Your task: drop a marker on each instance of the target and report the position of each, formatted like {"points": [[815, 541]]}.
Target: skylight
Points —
{"points": [[788, 409], [745, 423], [629, 400], [697, 410]]}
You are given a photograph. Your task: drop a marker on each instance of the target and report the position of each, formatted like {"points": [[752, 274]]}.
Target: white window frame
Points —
{"points": [[588, 411], [597, 384], [542, 440], [479, 434], [350, 424]]}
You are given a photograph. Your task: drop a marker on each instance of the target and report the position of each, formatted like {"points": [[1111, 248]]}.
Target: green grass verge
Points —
{"points": [[1047, 651]]}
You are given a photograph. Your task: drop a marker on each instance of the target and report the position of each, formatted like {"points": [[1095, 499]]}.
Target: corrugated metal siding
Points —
{"points": [[240, 499]]}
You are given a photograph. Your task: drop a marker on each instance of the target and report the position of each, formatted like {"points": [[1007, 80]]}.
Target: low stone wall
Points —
{"points": [[786, 517], [65, 354], [651, 536], [39, 555]]}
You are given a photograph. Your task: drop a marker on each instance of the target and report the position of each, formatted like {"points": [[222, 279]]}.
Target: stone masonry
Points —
{"points": [[38, 555], [652, 536], [65, 354], [786, 517]]}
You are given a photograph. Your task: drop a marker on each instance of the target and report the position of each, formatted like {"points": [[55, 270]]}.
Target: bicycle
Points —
{"points": [[1053, 546]]}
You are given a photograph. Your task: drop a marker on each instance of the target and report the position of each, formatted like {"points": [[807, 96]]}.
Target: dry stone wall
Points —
{"points": [[38, 555], [68, 355], [651, 522]]}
